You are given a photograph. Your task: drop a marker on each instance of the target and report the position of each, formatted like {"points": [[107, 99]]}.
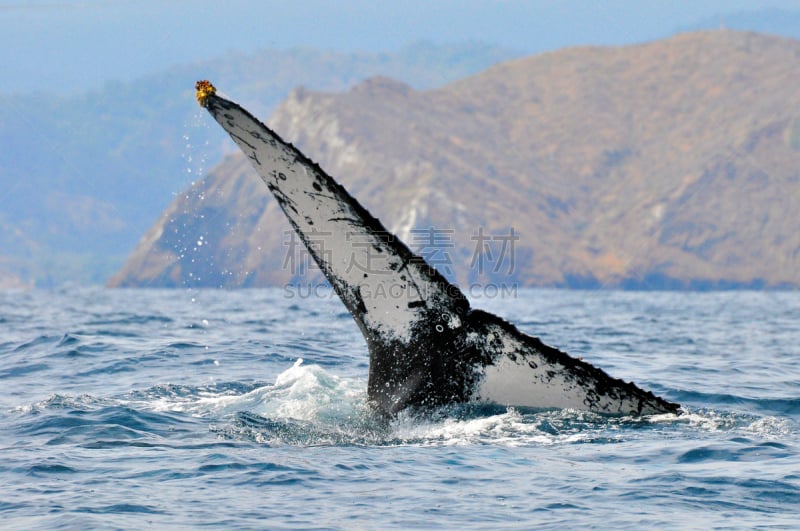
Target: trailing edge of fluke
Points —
{"points": [[427, 346]]}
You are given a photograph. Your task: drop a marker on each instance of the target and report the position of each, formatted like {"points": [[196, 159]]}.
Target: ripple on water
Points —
{"points": [[102, 406]]}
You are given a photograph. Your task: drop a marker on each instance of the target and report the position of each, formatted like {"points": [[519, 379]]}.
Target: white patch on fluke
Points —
{"points": [[515, 383], [515, 379]]}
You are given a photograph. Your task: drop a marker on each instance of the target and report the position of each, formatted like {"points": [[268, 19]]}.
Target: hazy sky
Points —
{"points": [[79, 44]]}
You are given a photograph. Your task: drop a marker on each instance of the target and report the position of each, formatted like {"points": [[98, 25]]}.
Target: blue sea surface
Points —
{"points": [[247, 410]]}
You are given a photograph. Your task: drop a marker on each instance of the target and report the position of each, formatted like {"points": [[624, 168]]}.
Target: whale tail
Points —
{"points": [[427, 346]]}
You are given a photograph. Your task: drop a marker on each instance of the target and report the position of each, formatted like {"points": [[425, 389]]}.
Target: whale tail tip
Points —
{"points": [[204, 89]]}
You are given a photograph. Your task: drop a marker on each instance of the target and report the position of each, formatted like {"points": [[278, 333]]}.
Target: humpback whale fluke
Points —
{"points": [[427, 346]]}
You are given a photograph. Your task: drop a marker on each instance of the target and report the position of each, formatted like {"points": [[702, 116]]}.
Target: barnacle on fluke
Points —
{"points": [[204, 90]]}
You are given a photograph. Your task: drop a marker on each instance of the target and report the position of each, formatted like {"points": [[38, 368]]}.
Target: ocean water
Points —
{"points": [[246, 410]]}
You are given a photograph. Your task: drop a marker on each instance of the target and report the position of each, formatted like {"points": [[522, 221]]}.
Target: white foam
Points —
{"points": [[771, 427], [302, 392]]}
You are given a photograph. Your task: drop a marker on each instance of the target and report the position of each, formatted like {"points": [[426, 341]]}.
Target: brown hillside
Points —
{"points": [[669, 164]]}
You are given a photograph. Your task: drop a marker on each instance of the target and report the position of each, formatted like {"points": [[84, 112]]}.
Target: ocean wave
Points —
{"points": [[308, 405]]}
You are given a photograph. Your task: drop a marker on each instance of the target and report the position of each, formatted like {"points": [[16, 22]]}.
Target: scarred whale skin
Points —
{"points": [[427, 346]]}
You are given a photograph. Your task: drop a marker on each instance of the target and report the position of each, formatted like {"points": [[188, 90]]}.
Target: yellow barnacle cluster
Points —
{"points": [[204, 90]]}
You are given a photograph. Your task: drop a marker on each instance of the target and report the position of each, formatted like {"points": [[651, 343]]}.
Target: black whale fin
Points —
{"points": [[427, 347]]}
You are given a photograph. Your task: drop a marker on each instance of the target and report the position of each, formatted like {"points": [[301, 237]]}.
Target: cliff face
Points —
{"points": [[669, 164]]}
